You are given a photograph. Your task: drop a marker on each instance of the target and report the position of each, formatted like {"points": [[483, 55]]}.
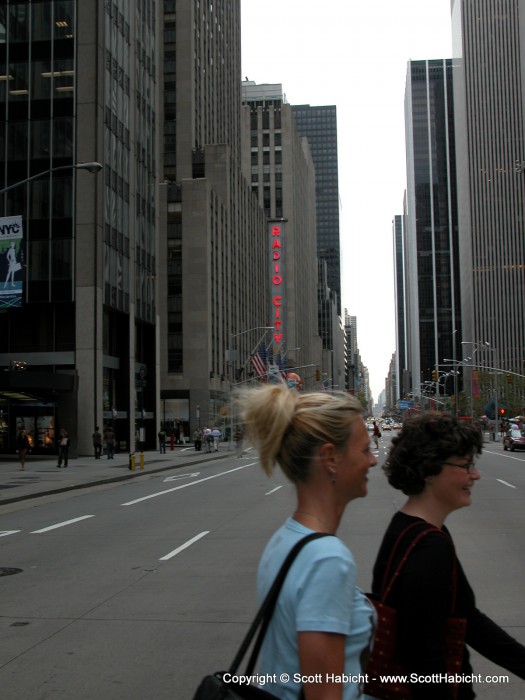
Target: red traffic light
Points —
{"points": [[502, 411]]}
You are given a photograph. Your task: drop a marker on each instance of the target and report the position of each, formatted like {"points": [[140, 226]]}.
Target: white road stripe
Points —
{"points": [[184, 486], [273, 490], [184, 546], [66, 522], [5, 533], [506, 484]]}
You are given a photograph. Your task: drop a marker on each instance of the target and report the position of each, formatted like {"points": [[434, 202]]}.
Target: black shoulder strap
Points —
{"points": [[264, 615], [389, 580]]}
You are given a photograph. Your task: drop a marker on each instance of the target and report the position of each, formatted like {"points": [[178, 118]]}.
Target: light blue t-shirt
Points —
{"points": [[319, 595]]}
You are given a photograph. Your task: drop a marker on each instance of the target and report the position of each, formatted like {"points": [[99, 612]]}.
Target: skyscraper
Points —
{"points": [[432, 298], [279, 163], [79, 83], [489, 73], [401, 387], [213, 281], [319, 125]]}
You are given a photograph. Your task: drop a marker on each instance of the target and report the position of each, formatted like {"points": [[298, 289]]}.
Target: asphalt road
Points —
{"points": [[135, 590]]}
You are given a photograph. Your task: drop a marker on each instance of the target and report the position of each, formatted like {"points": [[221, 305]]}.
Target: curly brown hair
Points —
{"points": [[425, 442]]}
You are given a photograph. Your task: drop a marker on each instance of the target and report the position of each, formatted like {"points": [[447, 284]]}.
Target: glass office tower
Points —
{"points": [[431, 236]]}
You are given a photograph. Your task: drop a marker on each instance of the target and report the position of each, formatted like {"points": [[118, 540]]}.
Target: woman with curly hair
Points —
{"points": [[322, 625], [433, 462]]}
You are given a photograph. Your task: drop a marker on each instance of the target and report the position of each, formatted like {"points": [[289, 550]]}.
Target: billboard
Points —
{"points": [[11, 262]]}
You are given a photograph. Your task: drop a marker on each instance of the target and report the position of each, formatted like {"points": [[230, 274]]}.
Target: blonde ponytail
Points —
{"points": [[287, 427]]}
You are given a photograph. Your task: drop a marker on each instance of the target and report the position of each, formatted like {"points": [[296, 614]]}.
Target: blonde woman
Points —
{"points": [[323, 624]]}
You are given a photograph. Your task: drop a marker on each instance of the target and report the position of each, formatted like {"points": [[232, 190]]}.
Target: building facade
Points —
{"points": [[213, 281], [489, 112], [282, 174], [80, 84]]}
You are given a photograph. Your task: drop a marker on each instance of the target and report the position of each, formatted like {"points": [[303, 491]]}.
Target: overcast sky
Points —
{"points": [[353, 54]]}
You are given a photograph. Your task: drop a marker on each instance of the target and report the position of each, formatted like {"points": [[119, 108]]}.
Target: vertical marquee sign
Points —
{"points": [[11, 268], [277, 281]]}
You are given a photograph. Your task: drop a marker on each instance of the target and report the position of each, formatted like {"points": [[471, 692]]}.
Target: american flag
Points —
{"points": [[259, 361]]}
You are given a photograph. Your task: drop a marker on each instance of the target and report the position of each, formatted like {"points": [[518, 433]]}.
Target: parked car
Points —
{"points": [[514, 440]]}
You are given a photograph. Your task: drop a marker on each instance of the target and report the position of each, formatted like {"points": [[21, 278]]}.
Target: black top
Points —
{"points": [[422, 598], [22, 441]]}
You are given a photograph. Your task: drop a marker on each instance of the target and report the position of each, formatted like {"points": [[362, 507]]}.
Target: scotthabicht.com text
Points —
{"points": [[284, 678]]}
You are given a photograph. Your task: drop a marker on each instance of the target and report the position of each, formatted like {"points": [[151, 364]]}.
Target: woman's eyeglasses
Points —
{"points": [[468, 467]]}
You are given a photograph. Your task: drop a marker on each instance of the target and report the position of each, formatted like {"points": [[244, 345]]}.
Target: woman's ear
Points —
{"points": [[329, 455]]}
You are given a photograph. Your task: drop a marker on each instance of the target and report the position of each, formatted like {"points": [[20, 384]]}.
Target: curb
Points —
{"points": [[99, 482]]}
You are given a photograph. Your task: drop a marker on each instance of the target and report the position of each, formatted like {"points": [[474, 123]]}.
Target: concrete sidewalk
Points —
{"points": [[42, 478]]}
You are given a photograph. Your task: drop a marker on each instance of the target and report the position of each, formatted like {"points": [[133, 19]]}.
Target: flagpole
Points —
{"points": [[232, 367]]}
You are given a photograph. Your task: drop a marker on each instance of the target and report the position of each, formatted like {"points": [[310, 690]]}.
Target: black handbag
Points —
{"points": [[214, 687]]}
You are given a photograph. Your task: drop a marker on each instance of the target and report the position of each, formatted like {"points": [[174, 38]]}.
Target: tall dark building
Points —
{"points": [[400, 386], [319, 125], [433, 319], [79, 83]]}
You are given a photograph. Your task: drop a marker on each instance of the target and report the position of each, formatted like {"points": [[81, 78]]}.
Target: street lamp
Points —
{"points": [[477, 347], [486, 346], [93, 167]]}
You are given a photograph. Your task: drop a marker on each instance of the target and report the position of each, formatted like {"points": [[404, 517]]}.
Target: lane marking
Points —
{"points": [[507, 456], [183, 486], [506, 484], [184, 546], [66, 522], [273, 490], [180, 476], [5, 533]]}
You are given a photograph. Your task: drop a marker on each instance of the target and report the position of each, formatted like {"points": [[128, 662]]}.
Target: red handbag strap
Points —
{"points": [[387, 584]]}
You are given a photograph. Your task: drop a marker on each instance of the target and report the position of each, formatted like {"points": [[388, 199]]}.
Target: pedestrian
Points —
{"points": [[97, 442], [208, 439], [22, 447], [322, 626], [197, 439], [63, 448], [109, 439], [162, 441], [376, 434], [432, 461], [239, 438], [216, 435]]}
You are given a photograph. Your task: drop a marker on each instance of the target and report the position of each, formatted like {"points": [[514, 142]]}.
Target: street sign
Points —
{"points": [[403, 405]]}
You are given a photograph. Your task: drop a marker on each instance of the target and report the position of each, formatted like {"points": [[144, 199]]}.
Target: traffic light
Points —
{"points": [[509, 378], [435, 375], [318, 375], [502, 411]]}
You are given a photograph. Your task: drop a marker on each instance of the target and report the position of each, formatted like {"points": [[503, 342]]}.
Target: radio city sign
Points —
{"points": [[277, 280]]}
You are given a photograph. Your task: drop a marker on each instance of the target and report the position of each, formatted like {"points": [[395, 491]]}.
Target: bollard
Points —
{"points": [[142, 460], [132, 461]]}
